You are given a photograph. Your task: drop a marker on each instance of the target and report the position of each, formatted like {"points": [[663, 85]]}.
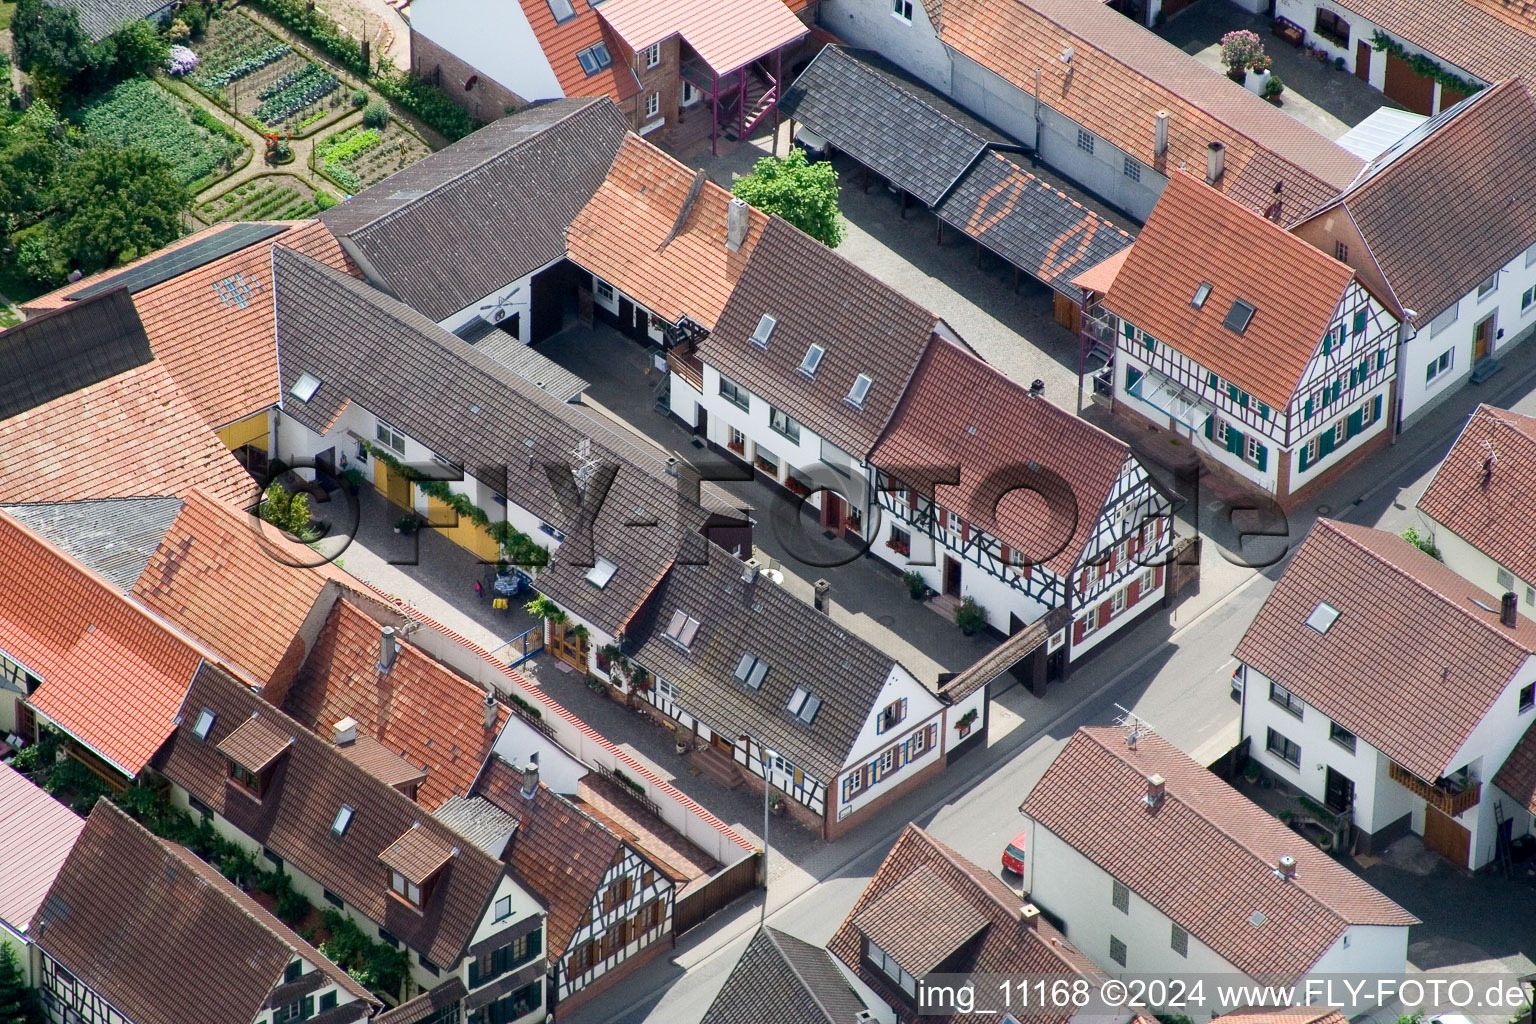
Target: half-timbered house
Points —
{"points": [[1274, 361]]}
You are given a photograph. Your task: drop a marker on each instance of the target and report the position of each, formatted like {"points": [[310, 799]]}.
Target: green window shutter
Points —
{"points": [[1242, 399], [1261, 459], [1325, 443], [1354, 376], [1327, 342], [1151, 342], [1232, 392], [1306, 409], [1365, 367], [309, 1007], [1304, 450], [1359, 321], [1353, 424], [1263, 411], [1234, 442], [1210, 428], [1381, 359], [1376, 408], [1210, 378], [1335, 395], [1129, 329]]}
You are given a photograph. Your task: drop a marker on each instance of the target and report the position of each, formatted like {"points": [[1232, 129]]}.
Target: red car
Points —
{"points": [[1013, 854]]}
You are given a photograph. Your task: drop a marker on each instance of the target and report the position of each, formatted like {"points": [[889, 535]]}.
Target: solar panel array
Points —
{"points": [[188, 257]]}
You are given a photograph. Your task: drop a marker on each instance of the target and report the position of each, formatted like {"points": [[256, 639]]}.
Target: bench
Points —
{"points": [[1288, 30]]}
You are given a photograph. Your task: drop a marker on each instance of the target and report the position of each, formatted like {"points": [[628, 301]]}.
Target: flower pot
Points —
{"points": [[1254, 81], [682, 748], [964, 731]]}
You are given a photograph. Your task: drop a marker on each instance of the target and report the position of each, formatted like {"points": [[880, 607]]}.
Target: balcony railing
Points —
{"points": [[687, 366], [1452, 803]]}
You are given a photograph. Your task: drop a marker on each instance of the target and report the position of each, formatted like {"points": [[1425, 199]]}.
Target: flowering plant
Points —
{"points": [[1240, 49], [181, 60]]}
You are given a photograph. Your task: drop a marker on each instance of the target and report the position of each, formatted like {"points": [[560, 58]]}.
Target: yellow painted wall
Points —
{"points": [[252, 431], [465, 534]]}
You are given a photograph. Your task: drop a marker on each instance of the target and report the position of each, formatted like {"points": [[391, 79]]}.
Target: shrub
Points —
{"points": [[324, 200], [970, 616], [195, 17], [359, 98], [1240, 49], [376, 115], [288, 512], [1273, 86], [1423, 541], [916, 585], [179, 31], [426, 101], [180, 61]]}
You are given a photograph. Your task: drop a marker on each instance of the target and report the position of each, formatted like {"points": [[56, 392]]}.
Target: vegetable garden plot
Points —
{"points": [[267, 197], [139, 112], [359, 156]]}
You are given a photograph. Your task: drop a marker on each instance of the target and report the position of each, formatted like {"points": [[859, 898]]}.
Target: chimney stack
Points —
{"points": [[736, 225], [822, 603], [345, 731], [388, 649], [1215, 162], [531, 775], [1037, 388], [492, 710], [749, 570], [1286, 868], [1156, 787], [1029, 915], [1160, 134], [1507, 610]]}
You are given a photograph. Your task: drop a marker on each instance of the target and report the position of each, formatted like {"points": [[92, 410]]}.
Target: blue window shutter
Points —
{"points": [[1262, 457], [879, 722], [901, 715]]}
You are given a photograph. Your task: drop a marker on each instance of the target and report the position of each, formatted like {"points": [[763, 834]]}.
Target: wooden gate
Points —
{"points": [[1443, 835], [703, 900], [1407, 86]]}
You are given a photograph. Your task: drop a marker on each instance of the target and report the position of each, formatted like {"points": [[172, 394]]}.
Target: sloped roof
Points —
{"points": [[114, 537], [306, 789], [372, 350], [656, 230], [889, 121], [1121, 76], [257, 742], [419, 853], [1417, 703], [801, 648], [817, 297], [1490, 509], [805, 983], [562, 41], [1206, 856], [1007, 944], [494, 206], [101, 18], [1283, 1015], [68, 350], [237, 586], [962, 413], [752, 29], [161, 935], [1438, 223], [921, 921], [36, 834], [419, 709], [1198, 236], [530, 364], [1517, 775], [73, 630], [1488, 39]]}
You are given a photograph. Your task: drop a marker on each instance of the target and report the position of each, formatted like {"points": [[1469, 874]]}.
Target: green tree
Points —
{"points": [[30, 153], [804, 194], [141, 50], [49, 40], [17, 1002], [285, 510], [114, 205]]}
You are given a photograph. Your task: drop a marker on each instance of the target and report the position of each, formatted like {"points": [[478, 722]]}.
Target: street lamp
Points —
{"points": [[767, 757]]}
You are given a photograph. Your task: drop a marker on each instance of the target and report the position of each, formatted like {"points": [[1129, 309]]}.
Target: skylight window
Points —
{"points": [[859, 391], [682, 629], [204, 724], [751, 671], [343, 819], [305, 387], [593, 58], [1239, 316], [797, 700], [764, 331], [1323, 616], [563, 10], [1201, 294], [812, 360], [601, 573], [804, 704]]}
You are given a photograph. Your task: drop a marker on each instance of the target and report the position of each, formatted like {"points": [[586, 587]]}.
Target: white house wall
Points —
{"points": [[1467, 561], [519, 294], [494, 37], [899, 685], [873, 25], [1485, 751], [1366, 949], [899, 776], [558, 770]]}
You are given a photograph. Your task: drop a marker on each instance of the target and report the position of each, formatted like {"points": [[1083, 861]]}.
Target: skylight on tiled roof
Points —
{"points": [[343, 819], [764, 331], [860, 391], [594, 58], [563, 10], [1239, 316], [812, 360], [305, 387], [804, 704], [751, 671], [682, 629], [1322, 617], [204, 724], [1201, 294], [601, 573]]}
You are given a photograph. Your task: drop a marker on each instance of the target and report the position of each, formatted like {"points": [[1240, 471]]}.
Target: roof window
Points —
{"points": [[812, 360], [204, 726], [682, 629], [859, 391], [343, 819], [305, 387], [601, 573], [1239, 316], [1201, 294], [765, 326], [593, 58], [804, 704], [1323, 617], [751, 671], [563, 10]]}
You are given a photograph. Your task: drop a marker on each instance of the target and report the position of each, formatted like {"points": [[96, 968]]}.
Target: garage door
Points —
{"points": [[1408, 87], [1445, 837]]}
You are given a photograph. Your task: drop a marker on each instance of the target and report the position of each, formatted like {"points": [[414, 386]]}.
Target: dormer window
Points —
{"points": [[405, 888], [244, 777], [414, 860], [682, 629], [251, 751], [812, 360], [764, 331], [860, 391]]}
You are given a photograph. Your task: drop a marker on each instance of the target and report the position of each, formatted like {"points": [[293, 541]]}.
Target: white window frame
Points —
{"points": [[1440, 365], [783, 424], [735, 394], [890, 968], [1445, 319], [1251, 448], [653, 55], [1090, 620], [1313, 449], [1219, 432], [1487, 286], [389, 437], [653, 104], [603, 289], [901, 10], [1117, 602], [405, 888], [1147, 582], [1340, 432], [1527, 301]]}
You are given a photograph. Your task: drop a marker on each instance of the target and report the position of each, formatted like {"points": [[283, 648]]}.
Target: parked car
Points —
{"points": [[1013, 854], [814, 145]]}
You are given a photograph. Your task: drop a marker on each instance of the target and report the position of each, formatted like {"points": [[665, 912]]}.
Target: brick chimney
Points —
{"points": [[1157, 786], [530, 775], [1215, 162], [1286, 867], [1507, 610]]}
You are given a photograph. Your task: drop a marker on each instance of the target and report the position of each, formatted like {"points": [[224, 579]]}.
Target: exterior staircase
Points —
{"points": [[717, 765], [762, 95]]}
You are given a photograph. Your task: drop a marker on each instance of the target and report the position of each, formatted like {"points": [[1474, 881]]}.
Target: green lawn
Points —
{"points": [[6, 10]]}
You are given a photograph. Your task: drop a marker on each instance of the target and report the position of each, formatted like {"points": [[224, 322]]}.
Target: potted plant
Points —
{"points": [[963, 725], [406, 524], [1240, 49], [680, 740], [776, 803], [970, 616], [353, 478], [1273, 88], [916, 585]]}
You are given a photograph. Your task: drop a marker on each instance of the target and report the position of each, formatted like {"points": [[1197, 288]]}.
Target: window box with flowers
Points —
{"points": [[797, 486], [765, 464], [964, 723], [900, 541]]}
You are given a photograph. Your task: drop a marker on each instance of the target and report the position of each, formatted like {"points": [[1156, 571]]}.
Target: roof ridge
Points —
{"points": [[965, 867], [773, 935], [1276, 230], [1342, 530]]}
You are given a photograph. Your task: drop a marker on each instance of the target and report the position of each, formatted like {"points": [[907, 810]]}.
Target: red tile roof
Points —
{"points": [[74, 630], [1206, 856], [420, 709], [1283, 1015], [921, 921], [1417, 703], [629, 235], [1517, 775], [726, 40], [937, 427], [1437, 223], [237, 586], [562, 41], [1121, 76], [1197, 235], [257, 742], [57, 299], [922, 875], [1492, 510], [36, 834], [1488, 39]]}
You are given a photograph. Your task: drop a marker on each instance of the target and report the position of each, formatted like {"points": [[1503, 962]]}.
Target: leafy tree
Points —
{"points": [[114, 205], [30, 154], [284, 510], [141, 51], [17, 1002], [49, 40], [803, 193]]}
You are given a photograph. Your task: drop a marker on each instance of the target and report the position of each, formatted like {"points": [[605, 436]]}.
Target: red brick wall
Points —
{"points": [[663, 81], [486, 100]]}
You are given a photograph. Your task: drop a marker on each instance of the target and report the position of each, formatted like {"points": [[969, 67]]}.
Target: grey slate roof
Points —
{"points": [[113, 537], [474, 217], [1029, 223], [68, 350], [783, 980], [889, 121], [817, 297], [377, 353], [531, 365], [101, 18], [801, 646]]}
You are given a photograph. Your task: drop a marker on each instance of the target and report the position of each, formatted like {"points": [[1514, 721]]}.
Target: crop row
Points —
{"points": [[350, 143], [139, 112], [245, 66], [310, 85]]}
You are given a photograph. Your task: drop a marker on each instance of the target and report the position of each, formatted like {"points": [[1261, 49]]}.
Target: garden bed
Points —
{"points": [[264, 197], [139, 112], [361, 156], [264, 81]]}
